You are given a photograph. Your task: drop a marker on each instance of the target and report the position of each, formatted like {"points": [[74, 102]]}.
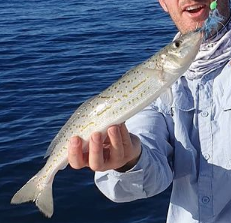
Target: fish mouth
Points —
{"points": [[196, 11]]}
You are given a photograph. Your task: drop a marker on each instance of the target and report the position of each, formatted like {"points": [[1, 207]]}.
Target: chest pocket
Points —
{"points": [[183, 99], [183, 113], [223, 84], [222, 151], [226, 101], [224, 122]]}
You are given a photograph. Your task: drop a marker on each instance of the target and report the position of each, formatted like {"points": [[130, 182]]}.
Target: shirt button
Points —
{"points": [[204, 114], [201, 86], [205, 200], [207, 156], [206, 77]]}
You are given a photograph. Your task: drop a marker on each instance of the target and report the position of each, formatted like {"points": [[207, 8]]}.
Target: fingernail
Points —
{"points": [[96, 137], [74, 141], [114, 130]]}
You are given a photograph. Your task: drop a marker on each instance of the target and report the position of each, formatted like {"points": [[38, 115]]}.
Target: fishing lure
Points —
{"points": [[214, 19]]}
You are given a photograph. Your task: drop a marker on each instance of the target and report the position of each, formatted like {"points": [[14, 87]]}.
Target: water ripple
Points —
{"points": [[54, 56]]}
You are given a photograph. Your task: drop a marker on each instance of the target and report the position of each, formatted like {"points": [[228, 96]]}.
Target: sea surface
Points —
{"points": [[54, 55]]}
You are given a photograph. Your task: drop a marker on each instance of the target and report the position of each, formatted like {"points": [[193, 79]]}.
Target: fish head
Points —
{"points": [[181, 52]]}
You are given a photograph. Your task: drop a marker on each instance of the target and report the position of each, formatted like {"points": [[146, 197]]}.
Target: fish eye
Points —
{"points": [[177, 44]]}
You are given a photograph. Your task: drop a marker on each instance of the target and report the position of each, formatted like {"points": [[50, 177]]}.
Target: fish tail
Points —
{"points": [[40, 193]]}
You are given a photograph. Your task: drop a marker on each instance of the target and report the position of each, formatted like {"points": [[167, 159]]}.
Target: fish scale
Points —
{"points": [[119, 99], [131, 93]]}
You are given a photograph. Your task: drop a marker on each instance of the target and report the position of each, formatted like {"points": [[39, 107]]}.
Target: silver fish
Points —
{"points": [[135, 90]]}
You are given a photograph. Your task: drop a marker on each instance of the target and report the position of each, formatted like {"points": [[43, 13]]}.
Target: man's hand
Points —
{"points": [[119, 151]]}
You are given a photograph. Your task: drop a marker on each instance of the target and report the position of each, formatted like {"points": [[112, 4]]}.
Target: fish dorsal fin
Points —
{"points": [[52, 145]]}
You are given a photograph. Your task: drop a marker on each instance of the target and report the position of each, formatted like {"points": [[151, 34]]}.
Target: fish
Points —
{"points": [[135, 90]]}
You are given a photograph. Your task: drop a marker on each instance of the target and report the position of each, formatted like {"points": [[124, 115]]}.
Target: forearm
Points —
{"points": [[152, 174]]}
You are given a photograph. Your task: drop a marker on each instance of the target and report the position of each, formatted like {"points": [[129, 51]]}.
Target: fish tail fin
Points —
{"points": [[38, 192]]}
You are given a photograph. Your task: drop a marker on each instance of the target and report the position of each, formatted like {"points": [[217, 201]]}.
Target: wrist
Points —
{"points": [[129, 165]]}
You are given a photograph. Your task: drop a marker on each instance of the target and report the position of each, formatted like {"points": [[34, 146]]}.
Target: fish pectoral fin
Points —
{"points": [[157, 72], [161, 75]]}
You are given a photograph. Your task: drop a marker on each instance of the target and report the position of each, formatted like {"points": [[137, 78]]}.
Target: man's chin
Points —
{"points": [[192, 26]]}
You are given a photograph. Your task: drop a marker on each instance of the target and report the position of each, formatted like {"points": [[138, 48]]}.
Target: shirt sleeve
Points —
{"points": [[152, 174]]}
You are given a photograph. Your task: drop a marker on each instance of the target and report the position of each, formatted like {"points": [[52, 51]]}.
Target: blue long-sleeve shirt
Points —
{"points": [[189, 144]]}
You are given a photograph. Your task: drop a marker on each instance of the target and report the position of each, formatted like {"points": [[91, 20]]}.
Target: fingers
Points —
{"points": [[96, 156], [108, 154], [75, 154], [127, 143], [117, 148], [131, 143], [125, 152], [94, 159]]}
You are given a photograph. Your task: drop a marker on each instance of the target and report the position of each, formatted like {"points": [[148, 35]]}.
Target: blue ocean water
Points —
{"points": [[53, 56]]}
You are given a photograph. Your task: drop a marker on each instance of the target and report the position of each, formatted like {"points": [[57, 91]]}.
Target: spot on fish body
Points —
{"points": [[101, 112], [84, 127]]}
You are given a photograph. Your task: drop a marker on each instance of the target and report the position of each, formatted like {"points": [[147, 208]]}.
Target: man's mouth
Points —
{"points": [[194, 8], [197, 12]]}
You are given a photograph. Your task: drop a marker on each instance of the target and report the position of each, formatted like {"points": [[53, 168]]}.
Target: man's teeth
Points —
{"points": [[191, 8]]}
